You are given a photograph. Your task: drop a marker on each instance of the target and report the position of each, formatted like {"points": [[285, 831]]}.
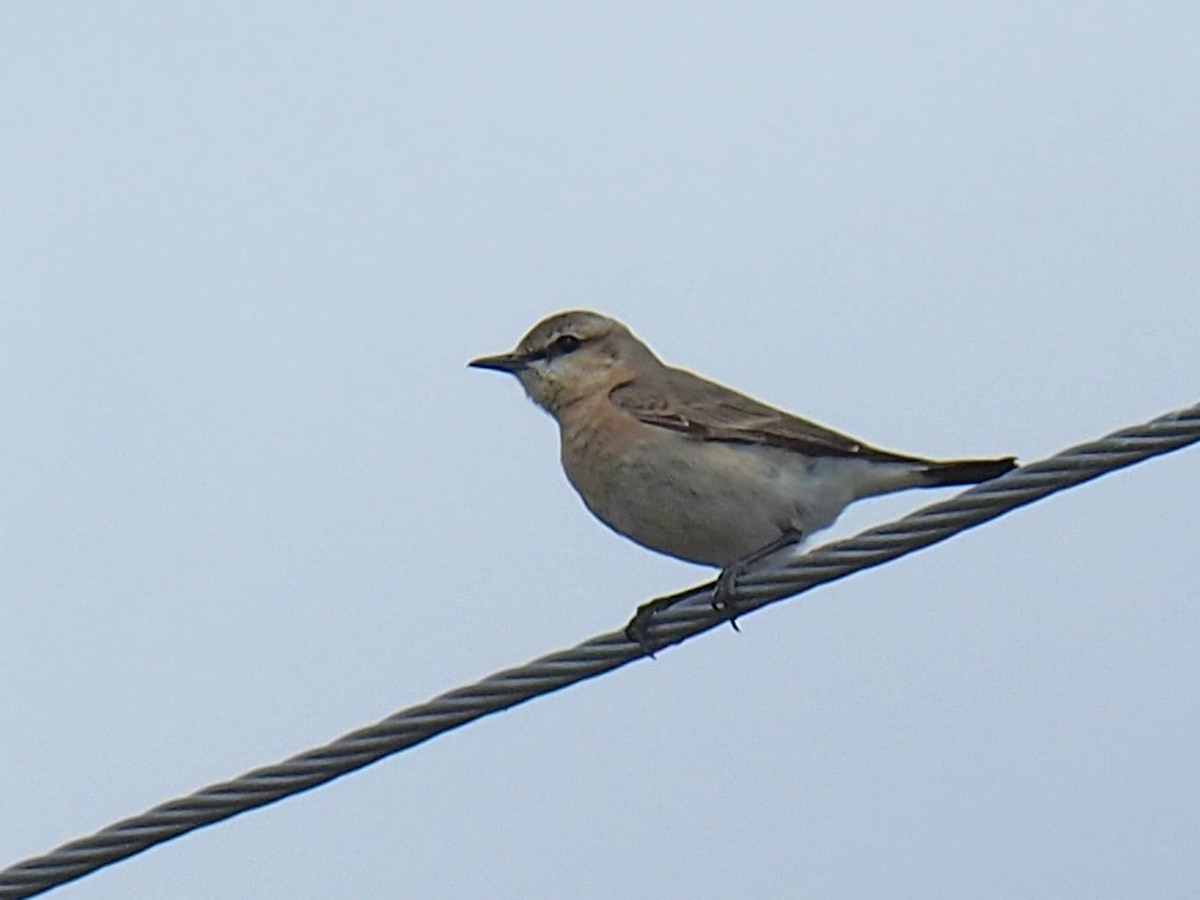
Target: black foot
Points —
{"points": [[725, 594], [638, 629], [724, 597]]}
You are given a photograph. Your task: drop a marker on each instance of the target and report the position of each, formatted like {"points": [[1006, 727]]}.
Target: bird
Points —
{"points": [[690, 468]]}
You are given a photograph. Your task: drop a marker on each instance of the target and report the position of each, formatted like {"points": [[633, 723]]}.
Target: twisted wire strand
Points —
{"points": [[604, 653]]}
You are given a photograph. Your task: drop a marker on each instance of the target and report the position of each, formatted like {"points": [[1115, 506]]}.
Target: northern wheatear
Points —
{"points": [[690, 468]]}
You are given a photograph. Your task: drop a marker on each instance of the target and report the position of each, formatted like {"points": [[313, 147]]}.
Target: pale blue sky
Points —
{"points": [[255, 499]]}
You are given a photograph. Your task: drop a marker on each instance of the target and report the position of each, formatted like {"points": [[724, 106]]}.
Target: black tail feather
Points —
{"points": [[967, 471]]}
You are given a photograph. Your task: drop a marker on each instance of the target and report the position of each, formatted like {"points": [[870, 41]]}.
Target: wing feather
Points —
{"points": [[709, 411]]}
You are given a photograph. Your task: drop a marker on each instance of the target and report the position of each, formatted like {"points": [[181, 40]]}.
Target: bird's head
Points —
{"points": [[570, 356]]}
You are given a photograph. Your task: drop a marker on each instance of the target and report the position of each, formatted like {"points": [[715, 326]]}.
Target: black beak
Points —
{"points": [[504, 362]]}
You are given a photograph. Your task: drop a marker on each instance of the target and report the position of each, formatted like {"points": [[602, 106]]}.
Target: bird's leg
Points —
{"points": [[638, 629], [725, 593]]}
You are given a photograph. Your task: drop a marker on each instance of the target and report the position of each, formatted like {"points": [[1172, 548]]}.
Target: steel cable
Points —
{"points": [[505, 689]]}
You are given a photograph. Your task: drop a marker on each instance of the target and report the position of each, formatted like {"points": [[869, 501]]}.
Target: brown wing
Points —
{"points": [[692, 405]]}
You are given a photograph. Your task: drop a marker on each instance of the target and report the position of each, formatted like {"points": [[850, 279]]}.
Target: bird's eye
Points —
{"points": [[565, 344]]}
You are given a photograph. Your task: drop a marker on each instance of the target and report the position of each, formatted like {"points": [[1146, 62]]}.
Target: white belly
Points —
{"points": [[712, 502]]}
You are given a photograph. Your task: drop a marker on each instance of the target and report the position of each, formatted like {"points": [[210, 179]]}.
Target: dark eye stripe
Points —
{"points": [[560, 346], [567, 343]]}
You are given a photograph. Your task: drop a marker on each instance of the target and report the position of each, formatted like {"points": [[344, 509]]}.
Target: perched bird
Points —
{"points": [[691, 468]]}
